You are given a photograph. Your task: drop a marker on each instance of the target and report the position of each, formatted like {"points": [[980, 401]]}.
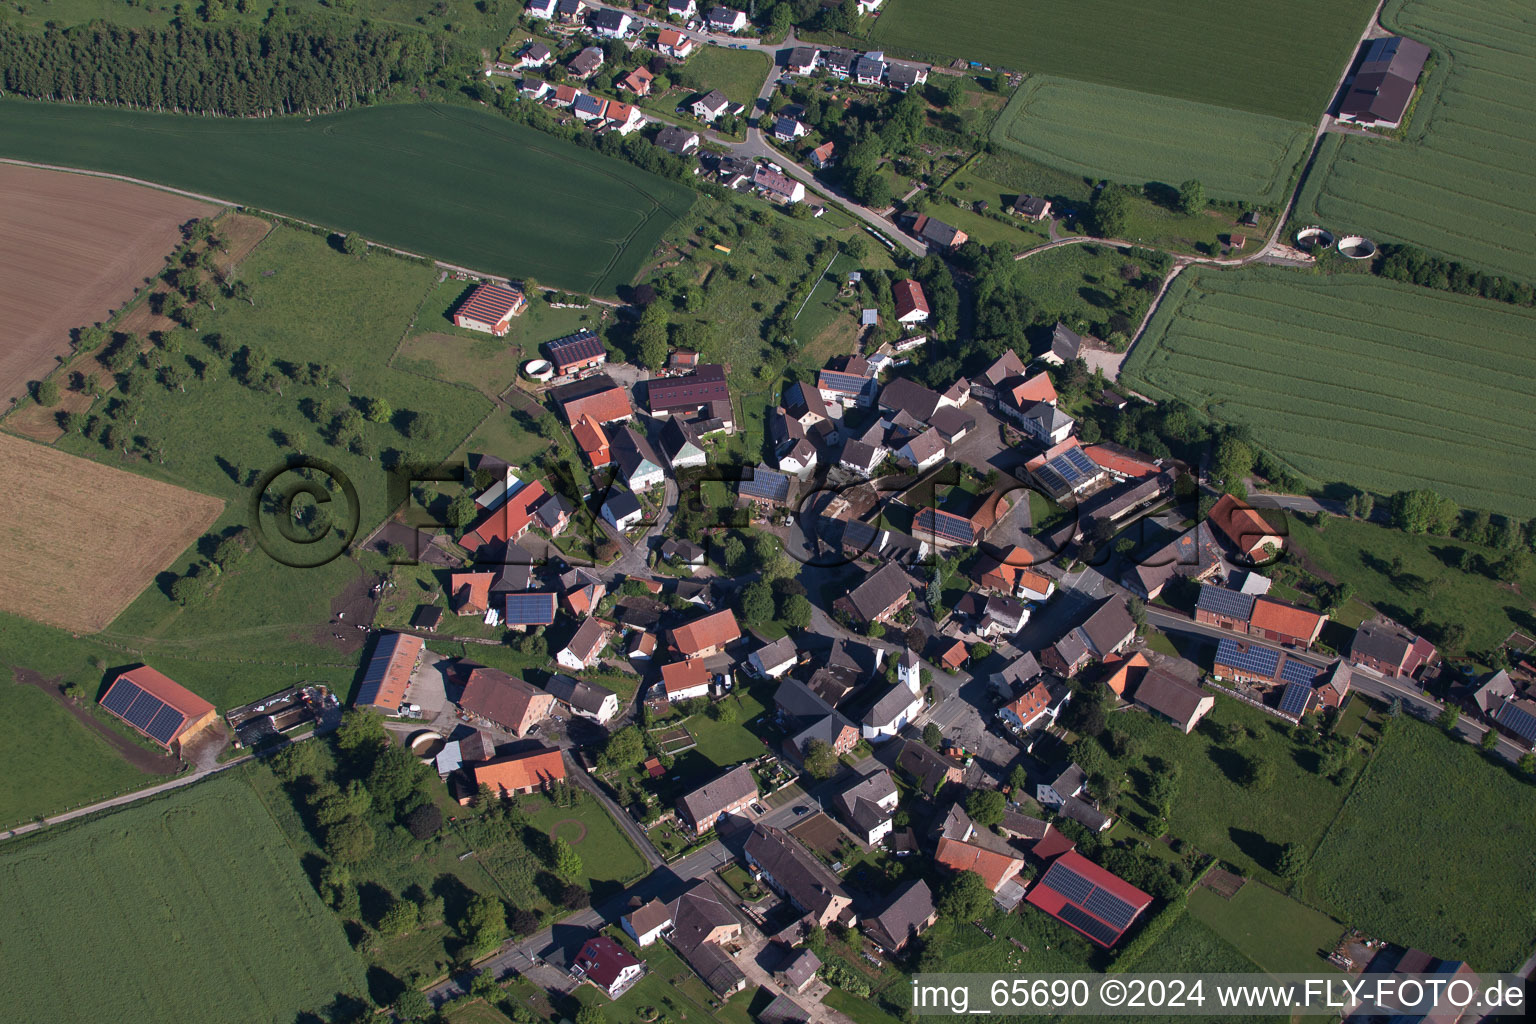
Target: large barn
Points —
{"points": [[158, 707], [489, 308], [389, 672], [1090, 900]]}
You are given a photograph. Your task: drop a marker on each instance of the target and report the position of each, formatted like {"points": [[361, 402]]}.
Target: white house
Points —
{"points": [[581, 653], [868, 805], [787, 129], [773, 660], [646, 924], [869, 6], [799, 459], [623, 117], [674, 43], [924, 450], [1047, 424], [890, 714], [909, 672], [608, 23], [711, 105], [622, 510], [685, 9], [583, 698], [541, 9], [723, 19], [683, 680]]}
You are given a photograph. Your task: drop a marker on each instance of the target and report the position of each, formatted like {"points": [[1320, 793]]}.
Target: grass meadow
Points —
{"points": [[1081, 286], [1433, 850], [1135, 137], [193, 904], [459, 185], [1244, 827], [1462, 181], [1277, 933], [1353, 378], [1276, 59]]}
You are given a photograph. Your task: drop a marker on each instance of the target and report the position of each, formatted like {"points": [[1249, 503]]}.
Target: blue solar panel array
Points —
{"points": [[378, 665], [1067, 882], [1518, 720], [1293, 671], [1233, 604], [943, 524], [766, 484], [1080, 461], [1259, 661], [143, 710], [530, 609], [1294, 699], [847, 383], [1106, 905], [1092, 927]]}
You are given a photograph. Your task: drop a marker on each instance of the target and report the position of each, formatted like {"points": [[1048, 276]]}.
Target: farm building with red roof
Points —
{"points": [[520, 773], [158, 707], [507, 522], [1088, 899], [579, 351], [389, 672], [1244, 528], [593, 441], [597, 396], [489, 308]]}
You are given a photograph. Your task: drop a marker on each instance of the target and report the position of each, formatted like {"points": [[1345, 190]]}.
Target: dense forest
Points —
{"points": [[231, 70]]}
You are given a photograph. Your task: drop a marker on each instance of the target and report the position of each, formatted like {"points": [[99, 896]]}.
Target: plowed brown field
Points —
{"points": [[73, 248], [82, 539]]}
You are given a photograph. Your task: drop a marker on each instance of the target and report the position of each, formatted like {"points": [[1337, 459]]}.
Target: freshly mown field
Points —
{"points": [[1135, 137], [1463, 182], [1433, 850], [83, 539], [1279, 59], [1279, 934], [195, 908], [1352, 378], [72, 249], [455, 184]]}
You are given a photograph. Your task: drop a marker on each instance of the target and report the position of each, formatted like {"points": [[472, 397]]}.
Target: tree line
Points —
{"points": [[230, 70]]}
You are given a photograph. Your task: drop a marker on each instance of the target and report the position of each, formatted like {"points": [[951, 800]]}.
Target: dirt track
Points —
{"points": [[73, 249], [147, 761]]}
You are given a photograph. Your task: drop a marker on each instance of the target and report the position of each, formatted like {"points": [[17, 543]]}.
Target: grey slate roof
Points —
{"points": [[1065, 342], [578, 693], [719, 793], [904, 917], [883, 588]]}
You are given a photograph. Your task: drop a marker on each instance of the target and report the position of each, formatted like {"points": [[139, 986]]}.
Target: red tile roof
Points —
{"points": [[1241, 525], [669, 37], [506, 521], [604, 960], [1051, 901], [684, 675], [470, 592], [1036, 389], [909, 298], [714, 630], [1030, 703], [1114, 462], [1285, 619], [520, 771], [994, 868], [955, 656], [603, 406], [594, 442]]}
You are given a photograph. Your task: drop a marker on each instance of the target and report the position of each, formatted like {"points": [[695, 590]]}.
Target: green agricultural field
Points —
{"points": [[1277, 933], [459, 185], [194, 903], [55, 762], [737, 73], [1278, 59], [1352, 378], [1081, 286], [1462, 182], [1135, 137], [1433, 850], [1363, 555]]}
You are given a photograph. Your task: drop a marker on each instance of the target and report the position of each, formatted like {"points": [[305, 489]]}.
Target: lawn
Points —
{"points": [[1461, 182], [1353, 378], [1276, 59], [194, 903], [59, 762], [737, 73], [1244, 827], [728, 743], [428, 178], [671, 987], [1277, 933], [1433, 850], [1362, 555], [1101, 131], [607, 855], [1082, 286]]}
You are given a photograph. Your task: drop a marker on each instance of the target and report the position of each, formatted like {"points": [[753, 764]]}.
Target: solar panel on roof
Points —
{"points": [[1298, 672], [1256, 660], [531, 609], [1103, 904], [142, 710], [165, 723], [1221, 601], [942, 524], [1294, 698], [1067, 882], [1518, 720], [849, 382], [1081, 462], [120, 696], [1053, 480], [767, 484], [1092, 927], [1069, 470]]}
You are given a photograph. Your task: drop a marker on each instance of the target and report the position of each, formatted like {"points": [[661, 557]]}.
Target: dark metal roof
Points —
{"points": [[1232, 604]]}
